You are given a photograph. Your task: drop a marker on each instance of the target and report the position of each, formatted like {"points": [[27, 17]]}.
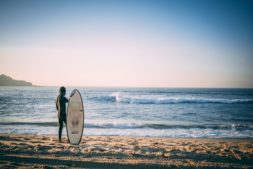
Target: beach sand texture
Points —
{"points": [[41, 151]]}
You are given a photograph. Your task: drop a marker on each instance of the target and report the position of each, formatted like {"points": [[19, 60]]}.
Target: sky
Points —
{"points": [[131, 43]]}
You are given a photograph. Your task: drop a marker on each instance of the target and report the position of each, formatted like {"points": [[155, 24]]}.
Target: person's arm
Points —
{"points": [[66, 100], [56, 103]]}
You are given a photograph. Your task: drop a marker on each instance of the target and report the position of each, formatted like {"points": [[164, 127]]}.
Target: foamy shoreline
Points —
{"points": [[28, 151]]}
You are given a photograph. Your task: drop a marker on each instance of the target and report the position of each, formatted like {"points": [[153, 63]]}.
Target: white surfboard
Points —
{"points": [[75, 118]]}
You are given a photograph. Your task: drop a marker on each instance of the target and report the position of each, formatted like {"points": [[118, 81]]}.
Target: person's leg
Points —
{"points": [[60, 128], [64, 119]]}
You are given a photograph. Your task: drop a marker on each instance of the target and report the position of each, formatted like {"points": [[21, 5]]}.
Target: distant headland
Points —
{"points": [[8, 81]]}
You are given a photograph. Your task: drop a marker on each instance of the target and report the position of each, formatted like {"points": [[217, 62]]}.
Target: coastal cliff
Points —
{"points": [[8, 81]]}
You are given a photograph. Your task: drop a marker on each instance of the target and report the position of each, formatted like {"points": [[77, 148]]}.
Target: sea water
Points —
{"points": [[150, 112]]}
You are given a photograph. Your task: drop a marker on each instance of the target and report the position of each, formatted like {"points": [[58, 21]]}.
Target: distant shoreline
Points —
{"points": [[8, 81], [107, 87]]}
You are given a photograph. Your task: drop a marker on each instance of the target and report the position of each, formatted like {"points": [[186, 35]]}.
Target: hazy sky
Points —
{"points": [[128, 43]]}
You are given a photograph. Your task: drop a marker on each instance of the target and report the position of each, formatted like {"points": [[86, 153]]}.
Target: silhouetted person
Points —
{"points": [[61, 108]]}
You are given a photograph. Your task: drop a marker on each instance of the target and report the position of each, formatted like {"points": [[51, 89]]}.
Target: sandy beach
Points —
{"points": [[41, 151]]}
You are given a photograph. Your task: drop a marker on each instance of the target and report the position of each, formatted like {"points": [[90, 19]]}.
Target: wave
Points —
{"points": [[30, 123], [166, 126], [140, 126], [159, 99]]}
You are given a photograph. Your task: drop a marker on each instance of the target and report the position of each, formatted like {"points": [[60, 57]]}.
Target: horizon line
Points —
{"points": [[164, 87]]}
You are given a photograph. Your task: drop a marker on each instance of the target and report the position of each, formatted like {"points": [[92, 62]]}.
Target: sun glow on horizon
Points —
{"points": [[111, 44]]}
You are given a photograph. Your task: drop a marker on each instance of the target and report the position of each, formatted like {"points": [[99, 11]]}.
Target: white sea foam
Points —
{"points": [[176, 133], [146, 132], [160, 99], [137, 125]]}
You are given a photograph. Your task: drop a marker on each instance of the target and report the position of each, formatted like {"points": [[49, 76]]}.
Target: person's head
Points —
{"points": [[62, 90]]}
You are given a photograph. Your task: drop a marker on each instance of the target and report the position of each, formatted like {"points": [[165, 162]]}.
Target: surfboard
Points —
{"points": [[75, 118]]}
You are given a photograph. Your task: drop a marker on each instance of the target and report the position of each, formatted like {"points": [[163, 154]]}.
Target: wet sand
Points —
{"points": [[94, 152]]}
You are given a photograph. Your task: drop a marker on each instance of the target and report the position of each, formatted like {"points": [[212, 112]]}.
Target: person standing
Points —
{"points": [[61, 108]]}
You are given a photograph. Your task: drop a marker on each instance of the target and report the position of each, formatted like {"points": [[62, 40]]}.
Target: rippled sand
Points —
{"points": [[40, 151]]}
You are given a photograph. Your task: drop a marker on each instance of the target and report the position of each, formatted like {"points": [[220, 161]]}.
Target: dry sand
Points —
{"points": [[94, 152]]}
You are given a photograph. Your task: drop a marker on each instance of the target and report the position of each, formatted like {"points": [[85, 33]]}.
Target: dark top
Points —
{"points": [[61, 103]]}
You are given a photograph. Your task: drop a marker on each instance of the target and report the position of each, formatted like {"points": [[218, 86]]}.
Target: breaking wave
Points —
{"points": [[140, 126], [158, 99]]}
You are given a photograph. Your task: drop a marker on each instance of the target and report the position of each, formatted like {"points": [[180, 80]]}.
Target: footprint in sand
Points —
{"points": [[38, 142], [26, 139], [45, 138]]}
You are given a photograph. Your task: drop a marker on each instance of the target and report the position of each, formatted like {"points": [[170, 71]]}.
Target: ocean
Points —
{"points": [[148, 112]]}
